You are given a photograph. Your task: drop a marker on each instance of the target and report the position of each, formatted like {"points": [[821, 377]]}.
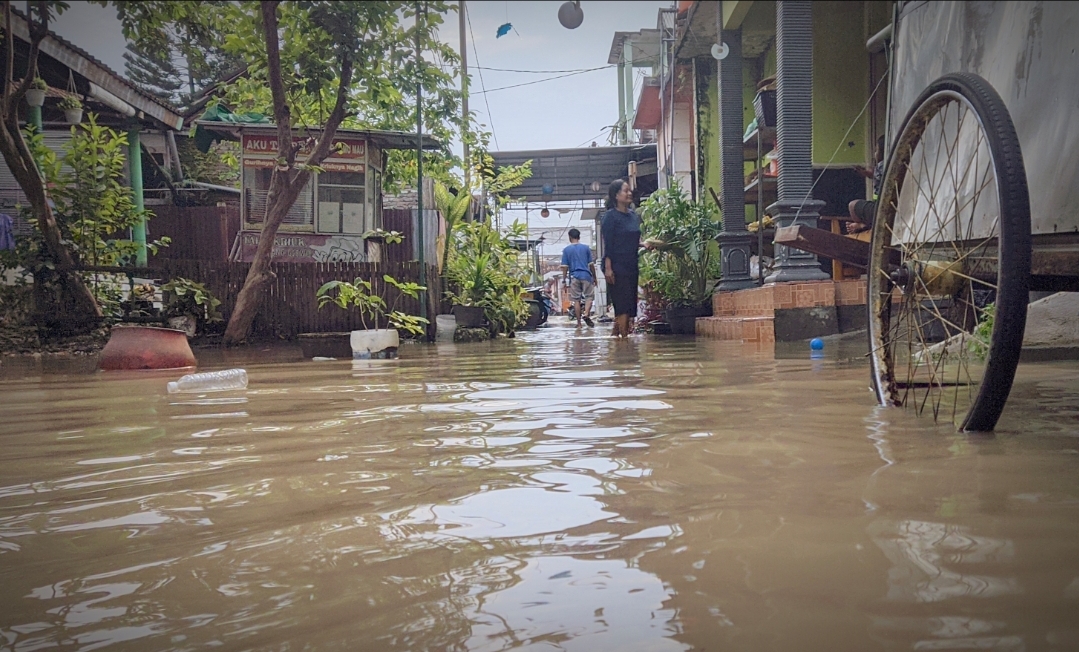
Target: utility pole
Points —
{"points": [[461, 18], [419, 166]]}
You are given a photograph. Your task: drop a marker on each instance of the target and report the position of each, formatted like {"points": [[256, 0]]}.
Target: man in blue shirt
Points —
{"points": [[579, 272]]}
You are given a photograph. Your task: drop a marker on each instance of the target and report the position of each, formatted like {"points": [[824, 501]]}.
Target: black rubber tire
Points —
{"points": [[1013, 249]]}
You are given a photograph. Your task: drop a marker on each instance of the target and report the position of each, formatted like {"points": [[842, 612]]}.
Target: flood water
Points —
{"points": [[560, 491]]}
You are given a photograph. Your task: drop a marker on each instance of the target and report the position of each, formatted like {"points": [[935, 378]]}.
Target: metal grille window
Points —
{"points": [[256, 188]]}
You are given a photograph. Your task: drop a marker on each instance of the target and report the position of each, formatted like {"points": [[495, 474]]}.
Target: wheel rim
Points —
{"points": [[935, 272]]}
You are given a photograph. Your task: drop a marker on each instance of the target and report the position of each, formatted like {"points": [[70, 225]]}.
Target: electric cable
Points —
{"points": [[476, 54]]}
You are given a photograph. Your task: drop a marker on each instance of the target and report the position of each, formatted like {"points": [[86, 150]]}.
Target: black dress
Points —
{"points": [[621, 240]]}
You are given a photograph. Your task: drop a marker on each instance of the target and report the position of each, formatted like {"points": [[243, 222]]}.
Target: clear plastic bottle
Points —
{"points": [[210, 381]]}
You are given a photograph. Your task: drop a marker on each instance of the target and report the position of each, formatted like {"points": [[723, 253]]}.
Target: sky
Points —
{"points": [[568, 112]]}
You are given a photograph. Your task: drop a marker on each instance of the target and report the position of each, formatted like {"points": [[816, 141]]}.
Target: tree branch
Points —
{"points": [[322, 150], [277, 86]]}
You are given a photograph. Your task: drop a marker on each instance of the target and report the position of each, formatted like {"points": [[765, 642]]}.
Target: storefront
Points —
{"points": [[334, 210]]}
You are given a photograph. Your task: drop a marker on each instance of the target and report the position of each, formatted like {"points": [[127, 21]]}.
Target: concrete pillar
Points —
{"points": [[794, 137], [621, 103], [134, 164], [734, 241]]}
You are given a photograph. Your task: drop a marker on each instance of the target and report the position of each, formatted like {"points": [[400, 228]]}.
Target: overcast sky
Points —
{"points": [[567, 112]]}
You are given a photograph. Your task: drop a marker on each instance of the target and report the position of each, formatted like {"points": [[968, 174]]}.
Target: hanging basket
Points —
{"points": [[35, 97], [73, 116]]}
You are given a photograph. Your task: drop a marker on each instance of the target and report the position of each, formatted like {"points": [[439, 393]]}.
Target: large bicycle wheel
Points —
{"points": [[949, 270]]}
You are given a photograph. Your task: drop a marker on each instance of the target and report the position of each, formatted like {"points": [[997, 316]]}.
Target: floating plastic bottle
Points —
{"points": [[210, 381]]}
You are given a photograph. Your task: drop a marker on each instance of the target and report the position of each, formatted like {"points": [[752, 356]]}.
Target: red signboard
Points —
{"points": [[265, 145]]}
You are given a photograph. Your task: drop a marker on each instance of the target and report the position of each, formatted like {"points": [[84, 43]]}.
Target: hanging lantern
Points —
{"points": [[545, 212]]}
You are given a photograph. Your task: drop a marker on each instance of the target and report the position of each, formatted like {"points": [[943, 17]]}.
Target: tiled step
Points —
{"points": [[744, 329], [752, 315]]}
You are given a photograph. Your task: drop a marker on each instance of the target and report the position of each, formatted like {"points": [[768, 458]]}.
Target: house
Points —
{"points": [[720, 69], [338, 206], [149, 123]]}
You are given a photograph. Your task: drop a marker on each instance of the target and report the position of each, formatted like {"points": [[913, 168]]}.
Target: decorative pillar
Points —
{"points": [[734, 241], [794, 138], [134, 164]]}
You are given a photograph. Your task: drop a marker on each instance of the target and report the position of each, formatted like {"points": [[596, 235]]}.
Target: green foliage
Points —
{"points": [[152, 67], [486, 271], [380, 38], [983, 333], [685, 264], [174, 53], [37, 83], [359, 294], [69, 103], [91, 206], [454, 210], [499, 182], [219, 166], [186, 297], [382, 235]]}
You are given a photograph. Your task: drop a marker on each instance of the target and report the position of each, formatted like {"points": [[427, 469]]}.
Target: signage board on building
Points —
{"points": [[257, 146], [293, 247]]}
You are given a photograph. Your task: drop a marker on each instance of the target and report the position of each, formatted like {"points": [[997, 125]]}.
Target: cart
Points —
{"points": [[979, 203]]}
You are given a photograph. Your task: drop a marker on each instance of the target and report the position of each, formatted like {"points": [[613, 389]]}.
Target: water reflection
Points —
{"points": [[551, 492]]}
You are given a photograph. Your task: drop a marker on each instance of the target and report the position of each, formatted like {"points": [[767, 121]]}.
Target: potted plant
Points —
{"points": [[487, 277], [35, 95], [684, 264], [189, 306], [371, 341], [72, 108]]}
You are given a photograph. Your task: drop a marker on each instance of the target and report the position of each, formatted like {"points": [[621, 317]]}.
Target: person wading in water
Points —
{"points": [[621, 229]]}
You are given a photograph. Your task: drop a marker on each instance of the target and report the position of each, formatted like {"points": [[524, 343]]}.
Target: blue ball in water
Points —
{"points": [[816, 344]]}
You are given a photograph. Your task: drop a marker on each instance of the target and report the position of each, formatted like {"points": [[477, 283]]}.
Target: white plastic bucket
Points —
{"points": [[445, 326], [374, 343]]}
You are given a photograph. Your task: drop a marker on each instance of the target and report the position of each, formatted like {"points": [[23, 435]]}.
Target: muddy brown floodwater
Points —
{"points": [[560, 491]]}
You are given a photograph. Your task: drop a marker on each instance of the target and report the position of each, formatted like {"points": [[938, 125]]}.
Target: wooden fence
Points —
{"points": [[197, 232], [291, 307]]}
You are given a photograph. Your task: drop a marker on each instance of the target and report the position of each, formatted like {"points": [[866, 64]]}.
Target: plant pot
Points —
{"points": [[145, 347], [469, 316], [683, 319], [535, 316], [73, 116], [186, 323], [35, 97], [326, 345], [764, 106], [380, 343]]}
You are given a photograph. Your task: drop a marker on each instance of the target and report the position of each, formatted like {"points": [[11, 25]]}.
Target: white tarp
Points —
{"points": [[1029, 52]]}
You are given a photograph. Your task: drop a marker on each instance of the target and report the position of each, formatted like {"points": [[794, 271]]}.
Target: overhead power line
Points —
{"points": [[549, 72], [475, 53]]}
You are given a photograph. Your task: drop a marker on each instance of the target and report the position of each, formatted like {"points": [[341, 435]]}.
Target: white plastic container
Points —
{"points": [[210, 381], [445, 327], [374, 343]]}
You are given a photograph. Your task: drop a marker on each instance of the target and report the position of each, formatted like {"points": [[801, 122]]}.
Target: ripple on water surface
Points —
{"points": [[557, 491]]}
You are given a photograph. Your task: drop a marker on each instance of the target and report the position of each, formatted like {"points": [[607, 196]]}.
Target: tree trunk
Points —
{"points": [[287, 181], [279, 201], [74, 299]]}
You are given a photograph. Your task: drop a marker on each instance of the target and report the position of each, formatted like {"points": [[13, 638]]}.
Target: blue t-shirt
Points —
{"points": [[577, 257]]}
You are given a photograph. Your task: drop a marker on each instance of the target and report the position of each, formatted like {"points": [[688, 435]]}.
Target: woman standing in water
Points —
{"points": [[621, 229]]}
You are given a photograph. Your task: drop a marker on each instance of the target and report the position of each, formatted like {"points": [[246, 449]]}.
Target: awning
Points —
{"points": [[573, 174]]}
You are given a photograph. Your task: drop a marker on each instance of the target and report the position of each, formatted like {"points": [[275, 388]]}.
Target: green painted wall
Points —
{"points": [[840, 82], [707, 89]]}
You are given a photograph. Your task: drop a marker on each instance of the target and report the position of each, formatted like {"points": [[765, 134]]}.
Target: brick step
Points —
{"points": [[738, 329]]}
